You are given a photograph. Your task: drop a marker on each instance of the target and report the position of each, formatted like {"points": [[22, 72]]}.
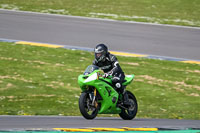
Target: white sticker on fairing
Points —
{"points": [[91, 78], [129, 76]]}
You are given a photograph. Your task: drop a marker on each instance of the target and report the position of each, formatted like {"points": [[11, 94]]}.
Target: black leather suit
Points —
{"points": [[110, 65]]}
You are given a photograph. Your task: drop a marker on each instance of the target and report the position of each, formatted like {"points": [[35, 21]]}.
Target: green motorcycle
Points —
{"points": [[100, 97]]}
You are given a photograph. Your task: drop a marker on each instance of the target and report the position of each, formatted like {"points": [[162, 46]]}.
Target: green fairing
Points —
{"points": [[128, 79], [106, 91]]}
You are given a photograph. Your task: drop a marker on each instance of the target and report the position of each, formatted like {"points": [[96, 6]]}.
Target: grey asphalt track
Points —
{"points": [[160, 40], [49, 122]]}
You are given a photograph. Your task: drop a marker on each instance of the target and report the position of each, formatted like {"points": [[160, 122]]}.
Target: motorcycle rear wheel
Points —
{"points": [[85, 108], [129, 114]]}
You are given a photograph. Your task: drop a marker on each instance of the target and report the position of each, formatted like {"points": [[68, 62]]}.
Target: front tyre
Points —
{"points": [[130, 113], [85, 107]]}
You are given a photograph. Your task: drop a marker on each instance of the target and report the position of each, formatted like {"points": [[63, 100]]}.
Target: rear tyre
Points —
{"points": [[130, 113], [85, 107]]}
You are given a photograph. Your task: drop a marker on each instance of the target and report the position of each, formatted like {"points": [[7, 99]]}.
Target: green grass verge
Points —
{"points": [[176, 12], [43, 81]]}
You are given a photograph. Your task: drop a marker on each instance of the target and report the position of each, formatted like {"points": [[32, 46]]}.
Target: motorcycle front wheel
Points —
{"points": [[130, 113], [85, 106]]}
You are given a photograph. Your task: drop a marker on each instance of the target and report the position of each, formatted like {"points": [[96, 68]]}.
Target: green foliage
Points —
{"points": [[43, 81]]}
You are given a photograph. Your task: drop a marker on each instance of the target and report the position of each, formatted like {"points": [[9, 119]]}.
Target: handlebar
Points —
{"points": [[101, 75]]}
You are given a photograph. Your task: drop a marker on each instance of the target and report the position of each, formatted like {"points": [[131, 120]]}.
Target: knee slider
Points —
{"points": [[118, 85]]}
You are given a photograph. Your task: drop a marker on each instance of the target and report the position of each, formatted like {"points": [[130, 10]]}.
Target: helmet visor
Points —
{"points": [[98, 55]]}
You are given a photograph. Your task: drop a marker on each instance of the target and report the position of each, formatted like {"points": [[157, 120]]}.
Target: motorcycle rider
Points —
{"points": [[109, 64]]}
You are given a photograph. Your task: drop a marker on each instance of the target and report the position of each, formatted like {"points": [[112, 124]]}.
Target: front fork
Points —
{"points": [[93, 98]]}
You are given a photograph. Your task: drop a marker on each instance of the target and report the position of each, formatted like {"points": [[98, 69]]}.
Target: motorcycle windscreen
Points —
{"points": [[90, 69]]}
